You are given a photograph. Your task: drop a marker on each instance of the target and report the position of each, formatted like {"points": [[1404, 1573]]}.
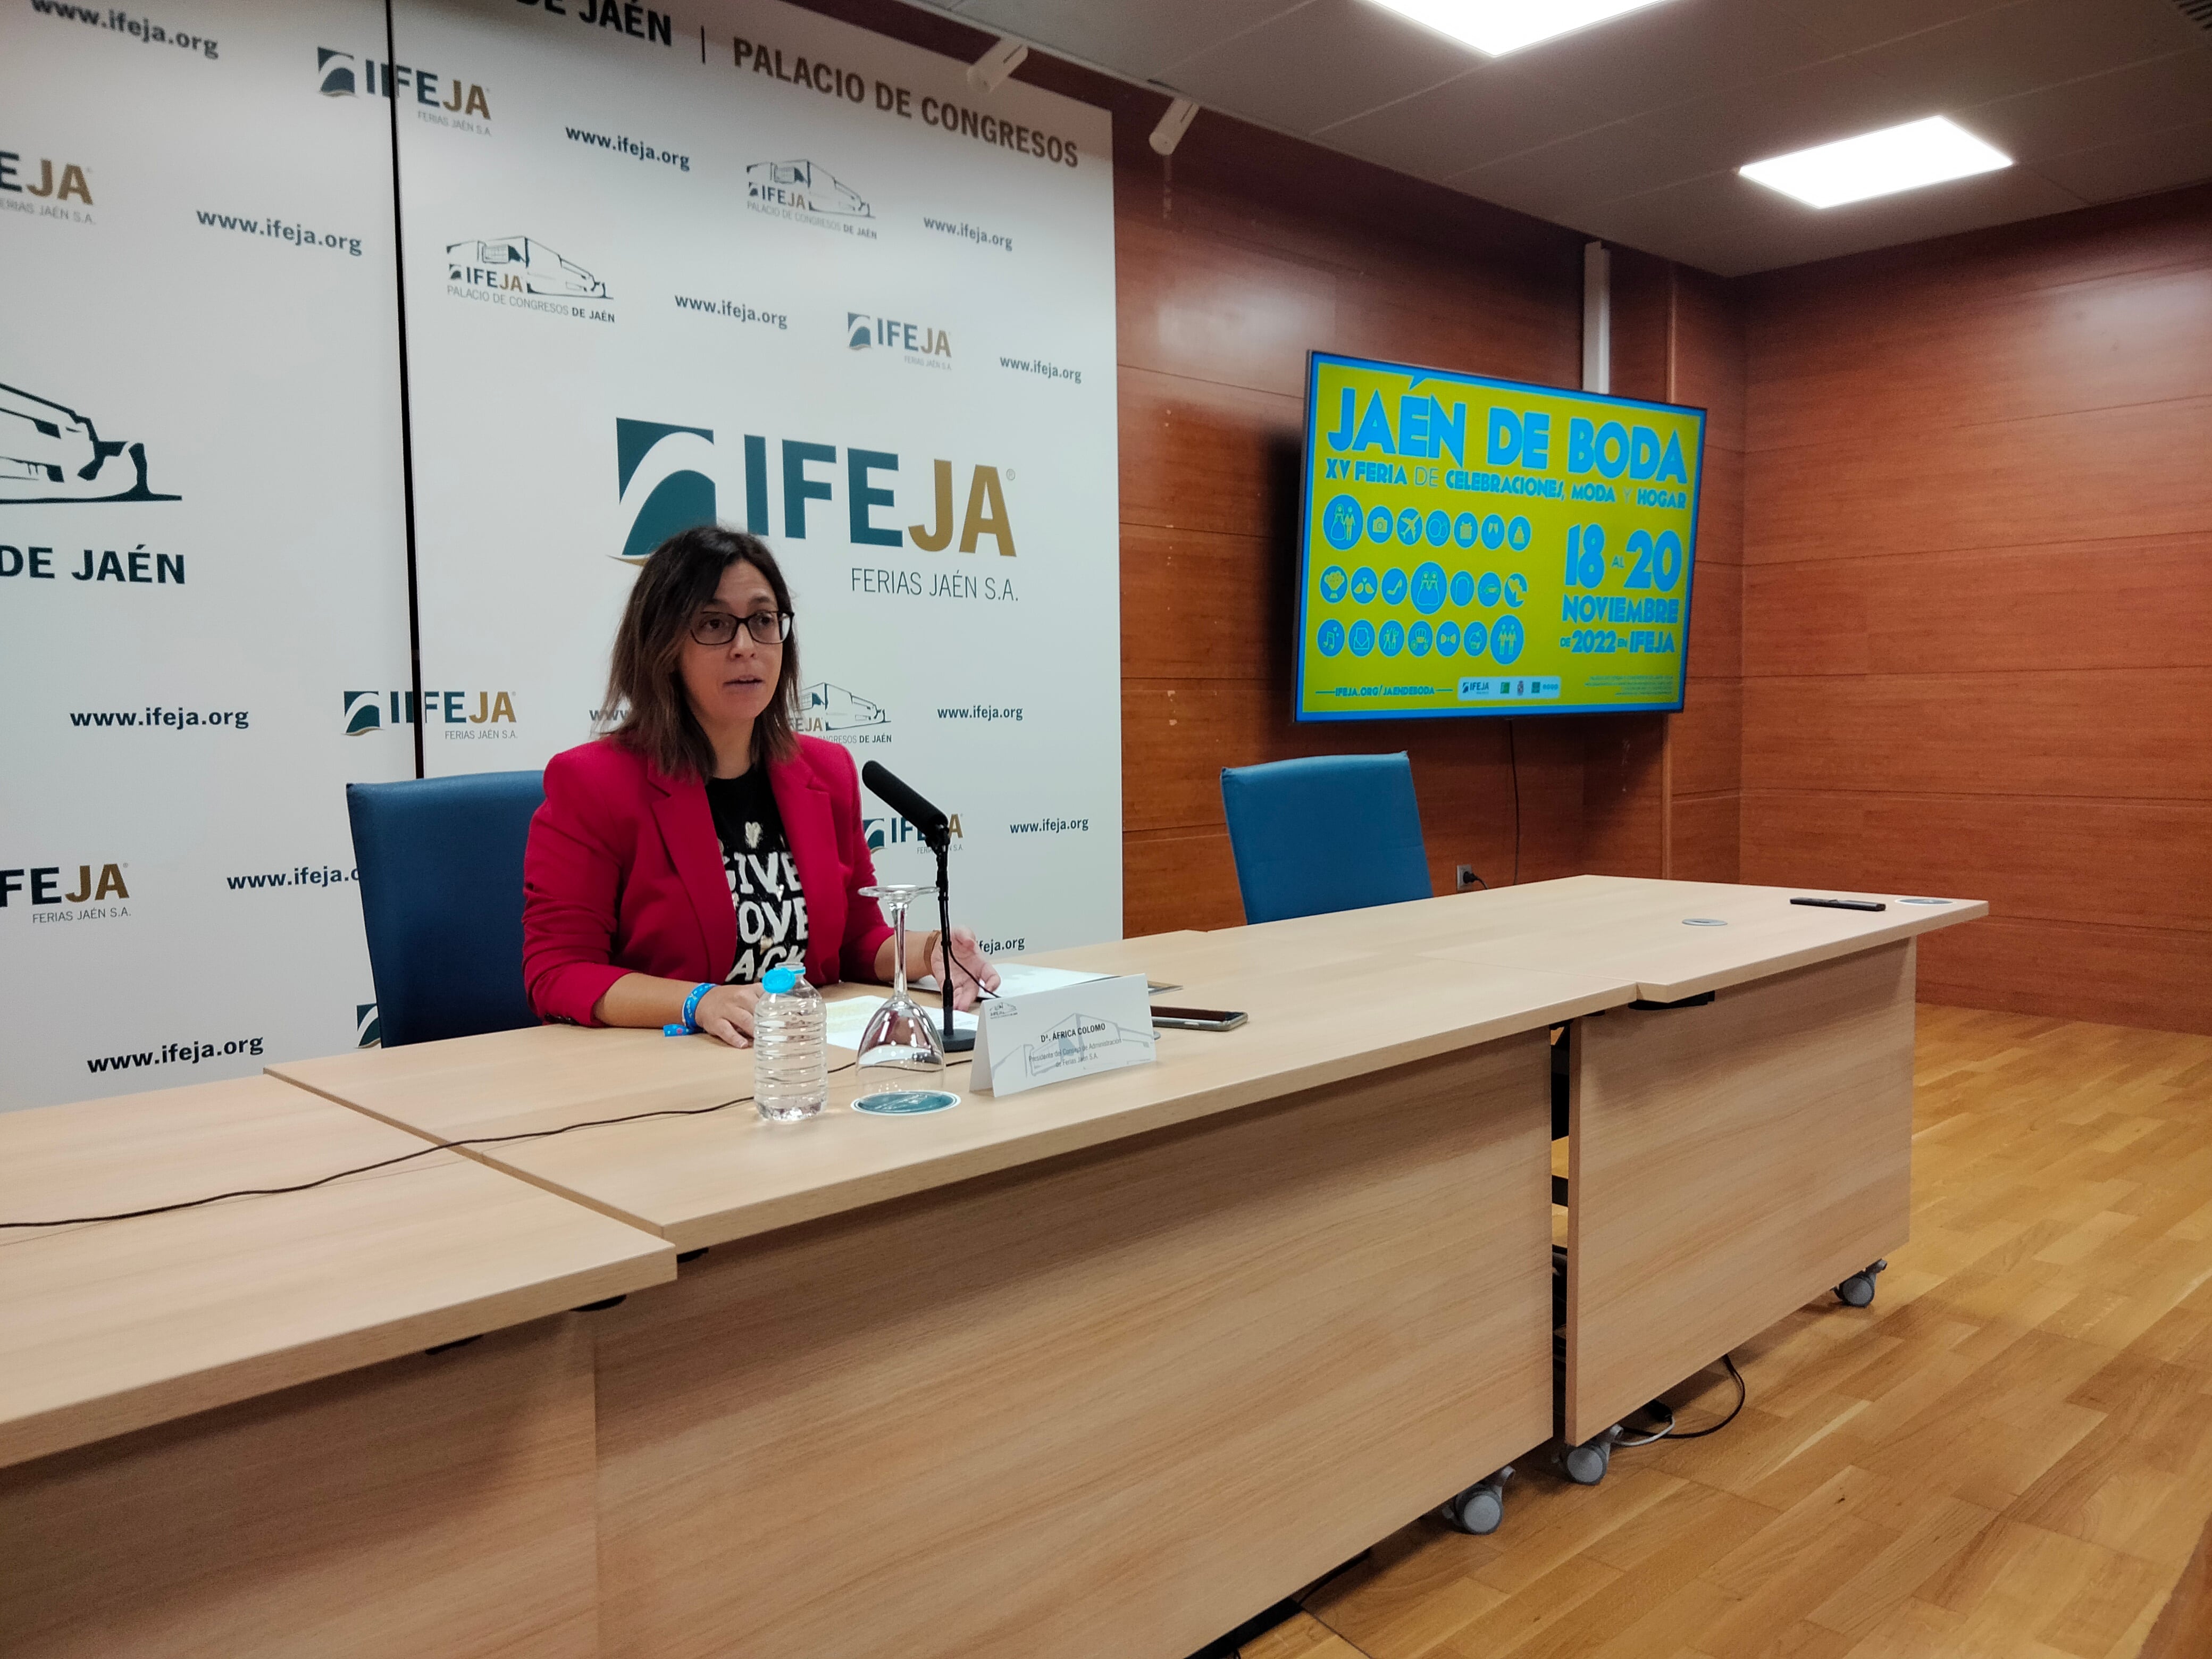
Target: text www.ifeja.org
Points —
{"points": [[630, 147], [298, 235], [300, 875], [171, 1054], [121, 22], [175, 719], [1038, 366]]}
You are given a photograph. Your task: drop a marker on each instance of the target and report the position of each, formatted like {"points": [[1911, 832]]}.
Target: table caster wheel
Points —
{"points": [[1480, 1507], [1857, 1290], [1586, 1464]]}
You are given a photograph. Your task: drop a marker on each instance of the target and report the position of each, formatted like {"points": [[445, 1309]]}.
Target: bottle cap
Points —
{"points": [[779, 981]]}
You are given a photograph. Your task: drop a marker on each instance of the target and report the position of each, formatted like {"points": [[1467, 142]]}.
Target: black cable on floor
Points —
{"points": [[1742, 1393], [1659, 1406]]}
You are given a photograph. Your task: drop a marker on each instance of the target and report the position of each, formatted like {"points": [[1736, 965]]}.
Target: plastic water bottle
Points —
{"points": [[791, 1077]]}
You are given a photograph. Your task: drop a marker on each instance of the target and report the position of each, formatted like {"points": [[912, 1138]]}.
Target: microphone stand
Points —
{"points": [[954, 1042]]}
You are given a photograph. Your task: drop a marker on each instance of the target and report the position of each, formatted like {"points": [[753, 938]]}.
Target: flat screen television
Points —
{"points": [[1471, 547]]}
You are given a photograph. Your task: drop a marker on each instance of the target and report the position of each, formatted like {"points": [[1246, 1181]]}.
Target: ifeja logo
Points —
{"points": [[918, 341], [367, 1029], [518, 264], [341, 75], [824, 707], [366, 711], [51, 453], [44, 884], [896, 831], [71, 182], [803, 188], [664, 480]]}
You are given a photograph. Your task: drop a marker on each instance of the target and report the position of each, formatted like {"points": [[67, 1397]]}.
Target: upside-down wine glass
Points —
{"points": [[900, 1044]]}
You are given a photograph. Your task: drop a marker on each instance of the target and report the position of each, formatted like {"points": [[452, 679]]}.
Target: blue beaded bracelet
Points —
{"points": [[687, 1025]]}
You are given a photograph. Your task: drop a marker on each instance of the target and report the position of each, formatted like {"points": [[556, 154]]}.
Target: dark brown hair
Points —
{"points": [[644, 683]]}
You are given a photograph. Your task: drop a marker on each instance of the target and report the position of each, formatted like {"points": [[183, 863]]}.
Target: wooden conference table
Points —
{"points": [[220, 1433], [1114, 1365]]}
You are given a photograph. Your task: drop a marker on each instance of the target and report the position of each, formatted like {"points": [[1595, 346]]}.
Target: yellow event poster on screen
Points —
{"points": [[1472, 546]]}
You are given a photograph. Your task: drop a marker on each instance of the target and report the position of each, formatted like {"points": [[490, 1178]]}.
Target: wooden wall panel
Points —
{"points": [[1976, 642], [2120, 732], [2039, 351], [2116, 863], [1177, 736], [1174, 878], [1626, 800], [1710, 356], [1720, 507], [2153, 976], [1644, 295], [1661, 792], [1196, 455], [2038, 316], [2124, 602], [1203, 605], [2071, 477], [1717, 621], [1203, 308], [1706, 840], [1708, 738], [2151, 232]]}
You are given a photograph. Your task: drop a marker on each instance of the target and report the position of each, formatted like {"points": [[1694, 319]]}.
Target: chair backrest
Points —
{"points": [[442, 893], [1334, 832]]}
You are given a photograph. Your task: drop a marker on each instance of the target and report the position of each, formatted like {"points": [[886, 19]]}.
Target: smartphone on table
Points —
{"points": [[1197, 1019]]}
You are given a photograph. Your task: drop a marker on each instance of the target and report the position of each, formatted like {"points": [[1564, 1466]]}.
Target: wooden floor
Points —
{"points": [[2010, 1454]]}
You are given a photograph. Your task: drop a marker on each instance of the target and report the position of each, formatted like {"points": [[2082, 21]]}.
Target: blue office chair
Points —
{"points": [[442, 894], [1334, 832]]}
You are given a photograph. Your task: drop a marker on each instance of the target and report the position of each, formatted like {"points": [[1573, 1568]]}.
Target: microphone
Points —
{"points": [[936, 831], [931, 823]]}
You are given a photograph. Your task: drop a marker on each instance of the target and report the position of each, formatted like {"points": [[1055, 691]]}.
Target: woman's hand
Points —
{"points": [[726, 1012], [971, 969]]}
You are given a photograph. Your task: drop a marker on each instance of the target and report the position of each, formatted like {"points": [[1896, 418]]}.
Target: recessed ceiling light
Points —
{"points": [[1878, 163], [1498, 26]]}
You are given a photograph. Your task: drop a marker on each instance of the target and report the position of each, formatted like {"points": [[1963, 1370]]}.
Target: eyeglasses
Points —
{"points": [[720, 627]]}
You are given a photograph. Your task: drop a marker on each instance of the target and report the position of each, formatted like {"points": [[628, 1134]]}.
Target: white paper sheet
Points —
{"points": [[847, 1016], [1016, 979]]}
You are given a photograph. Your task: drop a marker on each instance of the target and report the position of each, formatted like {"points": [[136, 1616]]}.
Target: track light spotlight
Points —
{"points": [[1173, 124], [1004, 57]]}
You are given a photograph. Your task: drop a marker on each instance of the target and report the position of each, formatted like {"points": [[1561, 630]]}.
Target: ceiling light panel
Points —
{"points": [[1906, 157], [1498, 26]]}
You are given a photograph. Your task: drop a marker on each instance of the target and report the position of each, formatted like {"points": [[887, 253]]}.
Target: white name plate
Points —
{"points": [[1069, 1031]]}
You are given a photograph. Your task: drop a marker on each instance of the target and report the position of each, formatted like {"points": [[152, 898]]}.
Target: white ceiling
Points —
{"points": [[1632, 129]]}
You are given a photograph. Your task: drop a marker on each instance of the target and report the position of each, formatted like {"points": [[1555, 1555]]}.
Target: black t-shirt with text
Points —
{"points": [[763, 876]]}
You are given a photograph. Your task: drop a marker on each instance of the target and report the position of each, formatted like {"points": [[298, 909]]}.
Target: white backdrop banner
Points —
{"points": [[202, 546], [770, 270]]}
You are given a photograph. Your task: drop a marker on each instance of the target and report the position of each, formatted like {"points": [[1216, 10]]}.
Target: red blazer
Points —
{"points": [[624, 874]]}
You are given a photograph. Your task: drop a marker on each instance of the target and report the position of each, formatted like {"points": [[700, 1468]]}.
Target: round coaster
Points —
{"points": [[1702, 921], [905, 1103], [1924, 901]]}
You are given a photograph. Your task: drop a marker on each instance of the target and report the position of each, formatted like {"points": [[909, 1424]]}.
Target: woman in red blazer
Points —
{"points": [[701, 841]]}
